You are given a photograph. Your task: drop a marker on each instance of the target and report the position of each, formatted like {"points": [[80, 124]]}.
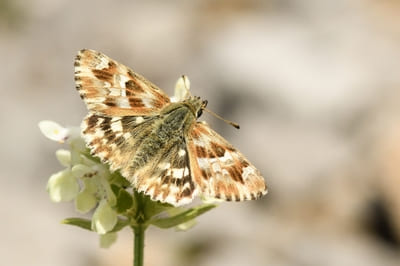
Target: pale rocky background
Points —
{"points": [[314, 84]]}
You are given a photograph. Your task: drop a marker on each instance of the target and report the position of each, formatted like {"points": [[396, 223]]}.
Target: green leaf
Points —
{"points": [[152, 208], [86, 224], [124, 199], [80, 222], [182, 217]]}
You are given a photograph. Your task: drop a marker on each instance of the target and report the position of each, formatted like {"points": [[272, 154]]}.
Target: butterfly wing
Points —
{"points": [[110, 88], [219, 169], [168, 178], [115, 140]]}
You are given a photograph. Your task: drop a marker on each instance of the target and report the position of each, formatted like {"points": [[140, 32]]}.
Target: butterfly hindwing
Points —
{"points": [[219, 169], [110, 88], [168, 178]]}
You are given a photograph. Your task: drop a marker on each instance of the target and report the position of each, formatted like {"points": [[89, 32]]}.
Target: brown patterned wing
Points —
{"points": [[113, 89], [219, 169], [115, 140], [168, 178]]}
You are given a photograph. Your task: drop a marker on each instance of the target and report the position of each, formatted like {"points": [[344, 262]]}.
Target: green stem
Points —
{"points": [[138, 245]]}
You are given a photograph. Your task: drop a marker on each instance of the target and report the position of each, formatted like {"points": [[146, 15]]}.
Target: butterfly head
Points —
{"points": [[196, 105]]}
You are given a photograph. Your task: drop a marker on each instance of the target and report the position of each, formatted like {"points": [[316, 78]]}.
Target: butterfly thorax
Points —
{"points": [[168, 128]]}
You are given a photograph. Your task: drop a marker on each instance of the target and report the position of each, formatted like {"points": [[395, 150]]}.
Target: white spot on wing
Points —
{"points": [[127, 135], [203, 162], [116, 126], [179, 172], [181, 152], [164, 166], [122, 80], [147, 102], [139, 120], [115, 92], [199, 142], [247, 171], [102, 64], [226, 158], [216, 167], [123, 102], [99, 133], [100, 120]]}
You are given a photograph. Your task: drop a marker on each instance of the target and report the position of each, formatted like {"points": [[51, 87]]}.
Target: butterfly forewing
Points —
{"points": [[110, 88], [219, 169]]}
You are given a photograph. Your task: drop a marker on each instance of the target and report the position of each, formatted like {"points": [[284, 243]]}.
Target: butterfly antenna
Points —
{"points": [[235, 125]]}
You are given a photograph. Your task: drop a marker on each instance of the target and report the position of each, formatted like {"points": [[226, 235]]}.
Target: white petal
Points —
{"points": [[53, 131], [104, 218], [62, 186], [182, 87], [85, 201]]}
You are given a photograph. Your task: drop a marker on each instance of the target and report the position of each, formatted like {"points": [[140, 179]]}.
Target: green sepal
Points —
{"points": [[182, 217], [80, 222], [117, 179], [153, 208], [145, 208], [124, 199]]}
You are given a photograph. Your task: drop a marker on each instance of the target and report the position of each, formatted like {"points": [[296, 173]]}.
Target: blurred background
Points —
{"points": [[315, 86]]}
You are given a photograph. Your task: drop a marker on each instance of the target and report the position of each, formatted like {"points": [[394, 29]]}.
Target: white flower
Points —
{"points": [[62, 186], [54, 131], [104, 218]]}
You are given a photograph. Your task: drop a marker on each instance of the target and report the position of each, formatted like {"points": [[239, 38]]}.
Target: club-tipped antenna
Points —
{"points": [[235, 125]]}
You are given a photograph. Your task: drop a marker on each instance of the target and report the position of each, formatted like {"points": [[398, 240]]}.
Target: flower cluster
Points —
{"points": [[115, 204]]}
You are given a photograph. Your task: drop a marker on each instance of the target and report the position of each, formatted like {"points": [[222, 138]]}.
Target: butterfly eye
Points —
{"points": [[203, 105], [200, 112]]}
